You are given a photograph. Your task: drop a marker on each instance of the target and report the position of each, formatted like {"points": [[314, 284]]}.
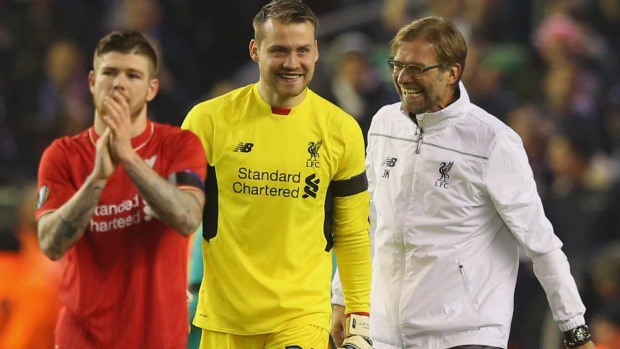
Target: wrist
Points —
{"points": [[96, 180], [358, 324]]}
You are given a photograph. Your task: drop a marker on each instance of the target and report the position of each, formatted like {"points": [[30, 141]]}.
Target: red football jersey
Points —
{"points": [[124, 281]]}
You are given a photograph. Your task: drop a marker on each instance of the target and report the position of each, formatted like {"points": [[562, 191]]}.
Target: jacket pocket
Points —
{"points": [[466, 288]]}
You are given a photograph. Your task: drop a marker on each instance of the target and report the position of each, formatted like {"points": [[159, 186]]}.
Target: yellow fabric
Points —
{"points": [[267, 267], [308, 336]]}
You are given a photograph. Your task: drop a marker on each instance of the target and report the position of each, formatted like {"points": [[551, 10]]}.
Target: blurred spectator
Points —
{"points": [[574, 74], [64, 101], [611, 121], [486, 76], [28, 285], [355, 84], [179, 72], [578, 194]]}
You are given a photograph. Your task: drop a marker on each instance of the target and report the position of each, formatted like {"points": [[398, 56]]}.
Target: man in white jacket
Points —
{"points": [[454, 198]]}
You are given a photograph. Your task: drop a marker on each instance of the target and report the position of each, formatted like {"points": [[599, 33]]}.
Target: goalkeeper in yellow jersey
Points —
{"points": [[279, 156]]}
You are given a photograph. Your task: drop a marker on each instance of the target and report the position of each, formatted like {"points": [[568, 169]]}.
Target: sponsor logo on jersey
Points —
{"points": [[244, 147], [311, 187], [272, 183], [116, 216], [313, 150], [444, 169]]}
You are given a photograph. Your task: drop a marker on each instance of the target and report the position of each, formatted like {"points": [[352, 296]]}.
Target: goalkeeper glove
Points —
{"points": [[358, 332]]}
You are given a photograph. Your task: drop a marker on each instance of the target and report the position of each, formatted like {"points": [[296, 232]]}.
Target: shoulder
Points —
{"points": [[491, 133], [330, 110], [389, 116], [170, 133], [68, 143], [224, 100], [488, 123], [217, 107]]}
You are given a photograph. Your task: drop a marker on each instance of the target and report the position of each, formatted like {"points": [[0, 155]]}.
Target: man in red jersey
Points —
{"points": [[116, 205]]}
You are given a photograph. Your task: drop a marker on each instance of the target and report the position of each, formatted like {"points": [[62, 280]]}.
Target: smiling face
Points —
{"points": [[286, 55], [130, 74], [425, 92]]}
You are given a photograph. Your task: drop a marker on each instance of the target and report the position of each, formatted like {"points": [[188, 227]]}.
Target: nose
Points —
{"points": [[291, 61], [119, 82], [405, 76]]}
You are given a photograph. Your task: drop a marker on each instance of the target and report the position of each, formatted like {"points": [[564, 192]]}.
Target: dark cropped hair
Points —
{"points": [[285, 11], [446, 38], [128, 42]]}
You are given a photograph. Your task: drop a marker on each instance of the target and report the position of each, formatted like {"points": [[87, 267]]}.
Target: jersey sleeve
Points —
{"points": [[199, 122], [188, 166], [54, 184], [350, 221]]}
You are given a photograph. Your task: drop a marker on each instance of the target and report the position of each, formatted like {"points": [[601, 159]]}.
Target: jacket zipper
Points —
{"points": [[419, 145]]}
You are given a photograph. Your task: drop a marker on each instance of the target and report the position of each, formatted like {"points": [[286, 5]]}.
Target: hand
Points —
{"points": [[337, 325], [357, 331], [104, 165], [357, 342], [118, 119]]}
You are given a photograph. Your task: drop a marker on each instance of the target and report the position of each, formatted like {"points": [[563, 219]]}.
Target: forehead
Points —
{"points": [[123, 61], [416, 51], [290, 34]]}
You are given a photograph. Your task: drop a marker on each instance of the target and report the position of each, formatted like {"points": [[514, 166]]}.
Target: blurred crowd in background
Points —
{"points": [[550, 69]]}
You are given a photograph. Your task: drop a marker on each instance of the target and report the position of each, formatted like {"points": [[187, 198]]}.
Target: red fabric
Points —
{"points": [[124, 282]]}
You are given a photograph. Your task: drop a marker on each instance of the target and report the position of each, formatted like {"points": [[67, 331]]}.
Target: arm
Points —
{"points": [[179, 208], [521, 209], [61, 229], [352, 247]]}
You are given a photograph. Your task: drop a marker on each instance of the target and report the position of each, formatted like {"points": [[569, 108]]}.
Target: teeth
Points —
{"points": [[291, 76], [410, 91]]}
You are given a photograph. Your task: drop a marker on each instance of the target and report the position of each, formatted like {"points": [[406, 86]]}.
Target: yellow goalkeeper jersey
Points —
{"points": [[267, 258]]}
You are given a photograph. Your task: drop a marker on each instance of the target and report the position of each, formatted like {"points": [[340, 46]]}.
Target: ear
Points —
{"points": [[254, 50], [455, 73], [316, 49], [153, 89], [91, 82]]}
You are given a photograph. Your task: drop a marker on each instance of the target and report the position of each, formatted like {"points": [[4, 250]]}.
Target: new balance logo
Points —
{"points": [[244, 147], [389, 162]]}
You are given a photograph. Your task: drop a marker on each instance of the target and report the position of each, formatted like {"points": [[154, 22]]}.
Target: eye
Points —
{"points": [[279, 51]]}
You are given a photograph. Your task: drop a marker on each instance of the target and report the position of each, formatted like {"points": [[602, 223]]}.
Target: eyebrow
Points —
{"points": [[129, 70]]}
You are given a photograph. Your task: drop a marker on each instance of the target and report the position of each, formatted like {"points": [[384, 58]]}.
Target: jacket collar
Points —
{"points": [[447, 116]]}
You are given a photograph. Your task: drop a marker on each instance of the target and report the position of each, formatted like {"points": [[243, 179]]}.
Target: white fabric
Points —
{"points": [[449, 223]]}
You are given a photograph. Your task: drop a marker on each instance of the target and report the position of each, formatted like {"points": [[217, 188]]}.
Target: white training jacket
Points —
{"points": [[454, 199]]}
